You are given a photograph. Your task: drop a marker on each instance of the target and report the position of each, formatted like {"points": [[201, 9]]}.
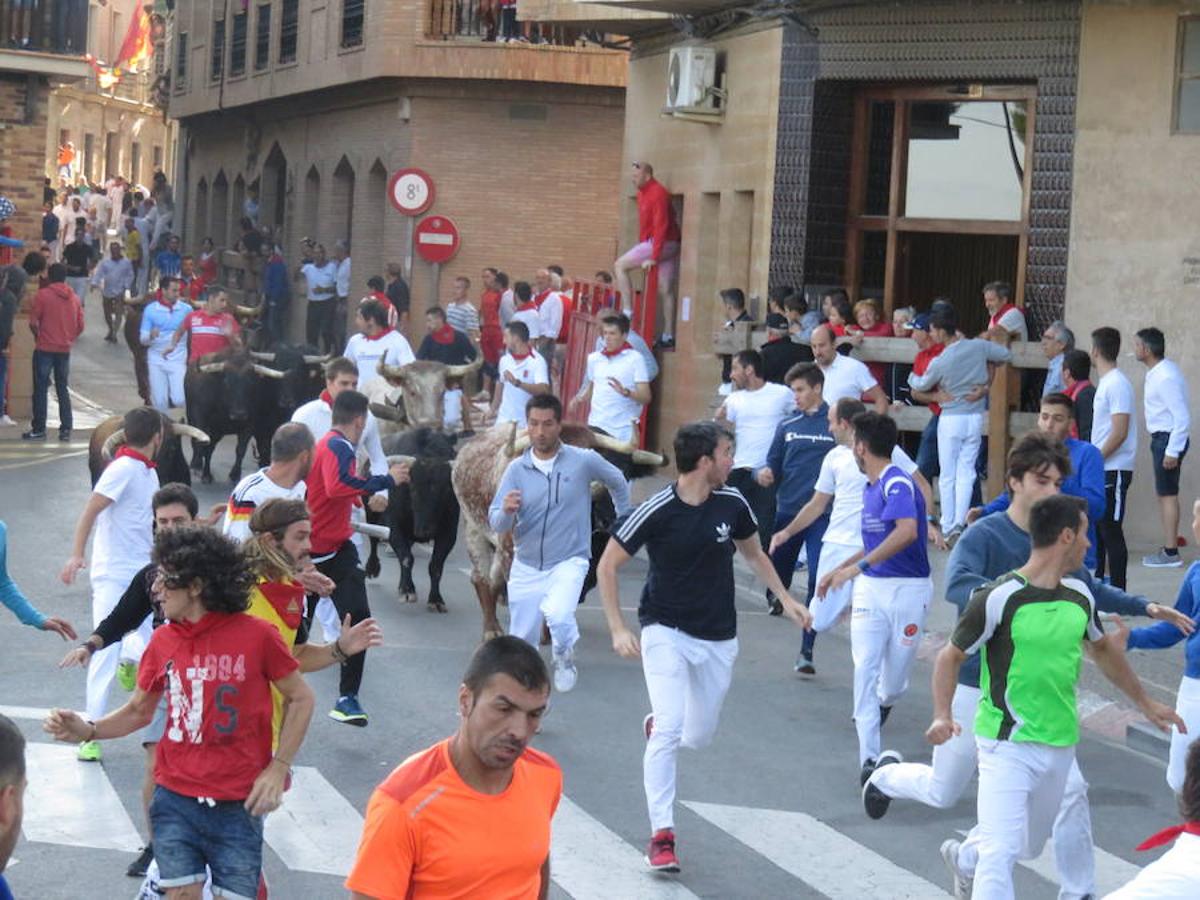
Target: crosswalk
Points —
{"points": [[18, 454]]}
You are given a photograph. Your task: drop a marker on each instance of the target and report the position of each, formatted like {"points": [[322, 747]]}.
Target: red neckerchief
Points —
{"points": [[541, 298], [1169, 834], [326, 399], [625, 346], [521, 357], [133, 454], [527, 306], [378, 337], [995, 320], [1073, 390], [287, 599], [443, 335]]}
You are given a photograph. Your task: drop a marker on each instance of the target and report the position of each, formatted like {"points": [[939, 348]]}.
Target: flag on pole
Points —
{"points": [[137, 48]]}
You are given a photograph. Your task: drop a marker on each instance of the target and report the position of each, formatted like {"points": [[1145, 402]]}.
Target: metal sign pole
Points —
{"points": [[436, 270], [408, 250]]}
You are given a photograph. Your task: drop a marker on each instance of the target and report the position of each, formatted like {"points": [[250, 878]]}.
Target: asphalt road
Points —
{"points": [[770, 809]]}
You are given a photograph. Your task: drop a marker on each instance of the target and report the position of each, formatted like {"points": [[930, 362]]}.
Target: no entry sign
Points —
{"points": [[411, 191], [437, 239]]}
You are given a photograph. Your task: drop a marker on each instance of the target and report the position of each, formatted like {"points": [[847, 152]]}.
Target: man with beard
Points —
{"points": [[470, 816]]}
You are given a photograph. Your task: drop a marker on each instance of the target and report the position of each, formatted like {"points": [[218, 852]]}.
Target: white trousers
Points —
{"points": [[885, 632], [958, 438], [102, 669], [687, 679], [166, 381], [553, 594], [826, 610], [326, 613], [1021, 787], [1173, 876], [1187, 704]]}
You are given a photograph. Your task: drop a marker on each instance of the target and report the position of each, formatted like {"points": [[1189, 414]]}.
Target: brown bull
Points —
{"points": [[171, 463], [478, 468]]}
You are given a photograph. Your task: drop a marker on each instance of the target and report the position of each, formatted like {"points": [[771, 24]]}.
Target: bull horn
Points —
{"points": [[380, 532], [646, 458], [463, 371], [608, 442], [211, 368], [383, 411], [116, 439], [181, 429], [247, 312], [387, 371], [267, 372], [317, 360], [520, 445], [512, 441], [262, 357], [400, 459]]}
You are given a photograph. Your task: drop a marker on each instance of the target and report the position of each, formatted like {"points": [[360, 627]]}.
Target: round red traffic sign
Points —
{"points": [[437, 239], [411, 191]]}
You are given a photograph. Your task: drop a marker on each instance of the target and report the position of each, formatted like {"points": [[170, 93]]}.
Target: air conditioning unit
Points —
{"points": [[691, 78]]}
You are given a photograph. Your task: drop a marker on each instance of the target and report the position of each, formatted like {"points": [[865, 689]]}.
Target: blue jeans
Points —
{"points": [[3, 382], [44, 363], [189, 834], [927, 454], [784, 561]]}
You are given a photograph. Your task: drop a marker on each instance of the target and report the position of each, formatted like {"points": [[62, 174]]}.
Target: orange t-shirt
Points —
{"points": [[429, 835]]}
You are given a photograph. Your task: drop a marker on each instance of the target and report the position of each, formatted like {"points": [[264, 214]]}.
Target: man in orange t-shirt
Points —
{"points": [[470, 816]]}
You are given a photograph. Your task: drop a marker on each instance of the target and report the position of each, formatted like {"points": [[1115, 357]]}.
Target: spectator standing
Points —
{"points": [[962, 371], [164, 211], [134, 253], [523, 373], [397, 293], [460, 312], [867, 323], [754, 410], [658, 246], [320, 278], [508, 301], [450, 347], [1057, 341], [1005, 318], [549, 305], [50, 227], [341, 257], [114, 277], [78, 256], [525, 310], [206, 263], [168, 261], [1165, 403], [12, 287], [1115, 432], [277, 296], [780, 352], [1077, 367], [166, 363], [927, 350], [616, 382], [844, 376], [56, 320], [734, 301], [375, 343], [491, 330]]}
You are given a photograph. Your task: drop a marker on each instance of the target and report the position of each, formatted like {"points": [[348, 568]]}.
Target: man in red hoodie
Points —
{"points": [[56, 321], [658, 246]]}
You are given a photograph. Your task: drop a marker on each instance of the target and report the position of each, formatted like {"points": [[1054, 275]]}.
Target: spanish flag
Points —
{"points": [[137, 48]]}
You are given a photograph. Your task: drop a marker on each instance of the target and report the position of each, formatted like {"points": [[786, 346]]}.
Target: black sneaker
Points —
{"points": [[665, 343], [867, 768], [774, 605], [804, 666], [875, 801], [137, 868], [32, 435], [64, 435], [884, 712]]}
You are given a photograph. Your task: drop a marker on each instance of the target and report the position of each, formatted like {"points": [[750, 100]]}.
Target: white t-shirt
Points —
{"points": [[611, 411], [532, 321], [755, 416], [1114, 395], [452, 409], [125, 528], [342, 279], [320, 277], [252, 492], [841, 477], [545, 466], [846, 377], [530, 370], [390, 346]]}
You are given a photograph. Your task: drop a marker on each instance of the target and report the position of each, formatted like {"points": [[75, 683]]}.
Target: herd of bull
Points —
{"points": [[247, 394]]}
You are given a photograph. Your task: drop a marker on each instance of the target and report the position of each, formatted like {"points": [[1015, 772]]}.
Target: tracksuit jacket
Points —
{"points": [[334, 487], [800, 444]]}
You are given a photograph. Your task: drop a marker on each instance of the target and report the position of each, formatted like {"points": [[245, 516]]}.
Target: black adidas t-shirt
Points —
{"points": [[690, 585]]}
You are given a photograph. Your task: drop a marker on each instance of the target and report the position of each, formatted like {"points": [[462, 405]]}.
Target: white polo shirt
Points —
{"points": [[611, 411], [125, 528], [390, 346], [756, 416], [531, 369], [846, 377]]}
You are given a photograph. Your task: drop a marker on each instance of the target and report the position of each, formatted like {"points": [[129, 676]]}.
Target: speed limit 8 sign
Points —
{"points": [[411, 191]]}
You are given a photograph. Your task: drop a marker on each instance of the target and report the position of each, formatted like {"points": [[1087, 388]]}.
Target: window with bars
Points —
{"points": [[262, 38], [181, 55], [217, 57], [353, 14], [1187, 80], [289, 30], [237, 45]]}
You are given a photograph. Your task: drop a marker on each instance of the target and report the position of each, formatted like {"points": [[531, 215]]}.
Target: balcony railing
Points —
{"points": [[480, 19], [133, 87], [44, 26]]}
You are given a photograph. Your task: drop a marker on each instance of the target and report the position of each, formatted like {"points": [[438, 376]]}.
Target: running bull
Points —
{"points": [[171, 463], [413, 395]]}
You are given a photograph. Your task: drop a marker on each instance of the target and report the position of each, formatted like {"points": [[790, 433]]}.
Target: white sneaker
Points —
{"points": [[565, 673], [962, 884], [6, 421]]}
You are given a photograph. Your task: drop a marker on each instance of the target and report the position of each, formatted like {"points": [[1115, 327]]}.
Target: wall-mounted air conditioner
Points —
{"points": [[692, 78]]}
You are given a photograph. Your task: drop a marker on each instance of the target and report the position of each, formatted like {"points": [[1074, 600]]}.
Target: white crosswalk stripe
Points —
{"points": [[821, 857], [1111, 871], [591, 862], [69, 802], [316, 829]]}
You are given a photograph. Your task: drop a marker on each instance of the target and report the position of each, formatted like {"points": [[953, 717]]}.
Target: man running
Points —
{"points": [[523, 374], [333, 488], [12, 794], [470, 816], [616, 382], [1029, 627], [690, 530], [544, 499], [216, 771], [891, 599], [166, 363], [119, 509], [292, 449]]}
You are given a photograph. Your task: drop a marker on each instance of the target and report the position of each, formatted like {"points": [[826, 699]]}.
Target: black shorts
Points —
{"points": [[1166, 481]]}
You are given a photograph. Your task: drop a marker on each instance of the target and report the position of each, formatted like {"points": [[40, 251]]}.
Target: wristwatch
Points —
{"points": [[862, 564]]}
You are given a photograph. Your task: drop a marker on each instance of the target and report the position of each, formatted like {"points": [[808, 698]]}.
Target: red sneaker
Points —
{"points": [[660, 855]]}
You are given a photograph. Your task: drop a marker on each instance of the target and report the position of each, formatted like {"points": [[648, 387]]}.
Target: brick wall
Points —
{"points": [[22, 160]]}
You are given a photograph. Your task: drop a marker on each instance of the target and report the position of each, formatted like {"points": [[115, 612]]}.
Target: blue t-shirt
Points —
{"points": [[894, 497], [5, 893]]}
